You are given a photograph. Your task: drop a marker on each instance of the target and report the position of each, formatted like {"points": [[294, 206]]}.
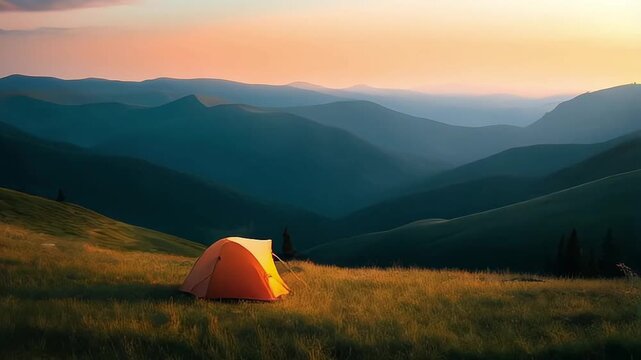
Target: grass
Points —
{"points": [[65, 220], [65, 296]]}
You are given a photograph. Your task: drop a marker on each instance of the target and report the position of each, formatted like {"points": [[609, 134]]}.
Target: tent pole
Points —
{"points": [[290, 269]]}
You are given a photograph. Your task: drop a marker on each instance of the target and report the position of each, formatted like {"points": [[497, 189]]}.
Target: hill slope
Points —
{"points": [[624, 157], [592, 117], [527, 161], [521, 237], [69, 221], [144, 194], [493, 191], [62, 297], [271, 155]]}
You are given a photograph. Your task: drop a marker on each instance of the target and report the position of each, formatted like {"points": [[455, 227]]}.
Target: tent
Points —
{"points": [[236, 268]]}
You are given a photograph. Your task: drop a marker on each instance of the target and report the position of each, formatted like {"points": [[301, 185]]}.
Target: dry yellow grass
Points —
{"points": [[64, 297]]}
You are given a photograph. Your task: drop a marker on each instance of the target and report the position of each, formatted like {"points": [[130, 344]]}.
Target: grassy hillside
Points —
{"points": [[144, 194], [22, 215], [521, 237], [270, 155], [62, 296], [501, 187]]}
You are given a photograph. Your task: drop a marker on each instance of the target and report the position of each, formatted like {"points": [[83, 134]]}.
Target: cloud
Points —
{"points": [[47, 5], [38, 31]]}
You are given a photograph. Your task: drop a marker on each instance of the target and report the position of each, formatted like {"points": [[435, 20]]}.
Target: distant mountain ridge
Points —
{"points": [[590, 118], [158, 91], [412, 135], [463, 110], [268, 154], [452, 109]]}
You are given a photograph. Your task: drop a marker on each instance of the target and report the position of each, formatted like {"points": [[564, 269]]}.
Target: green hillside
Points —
{"points": [[271, 155], [140, 193], [72, 222], [623, 154], [520, 237]]}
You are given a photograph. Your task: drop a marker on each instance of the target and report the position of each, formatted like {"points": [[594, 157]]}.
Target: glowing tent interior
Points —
{"points": [[236, 268]]}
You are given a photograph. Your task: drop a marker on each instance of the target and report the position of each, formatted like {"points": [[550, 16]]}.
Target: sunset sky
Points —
{"points": [[531, 48]]}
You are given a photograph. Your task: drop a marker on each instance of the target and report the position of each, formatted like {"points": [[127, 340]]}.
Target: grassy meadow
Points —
{"points": [[67, 296]]}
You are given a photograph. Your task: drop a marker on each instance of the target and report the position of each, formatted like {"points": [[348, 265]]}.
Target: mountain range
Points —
{"points": [[453, 109], [571, 122], [157, 92], [267, 154], [465, 110], [355, 182]]}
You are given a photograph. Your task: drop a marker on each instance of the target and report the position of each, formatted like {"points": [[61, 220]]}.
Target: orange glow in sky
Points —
{"points": [[494, 46]]}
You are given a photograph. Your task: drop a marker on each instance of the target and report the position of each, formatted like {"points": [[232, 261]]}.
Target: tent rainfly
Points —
{"points": [[236, 268]]}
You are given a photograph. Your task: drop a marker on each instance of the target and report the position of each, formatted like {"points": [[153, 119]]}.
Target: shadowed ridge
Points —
{"points": [[185, 103], [495, 239]]}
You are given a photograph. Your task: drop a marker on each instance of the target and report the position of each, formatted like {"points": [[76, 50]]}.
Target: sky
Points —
{"points": [[525, 47]]}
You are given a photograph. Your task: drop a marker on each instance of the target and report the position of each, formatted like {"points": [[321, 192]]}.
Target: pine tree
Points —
{"points": [[573, 255], [288, 247], [610, 256], [61, 196], [560, 257], [592, 268]]}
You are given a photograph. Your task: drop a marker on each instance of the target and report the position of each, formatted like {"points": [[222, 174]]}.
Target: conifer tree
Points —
{"points": [[610, 256], [592, 267], [573, 255], [288, 246], [560, 257], [61, 196]]}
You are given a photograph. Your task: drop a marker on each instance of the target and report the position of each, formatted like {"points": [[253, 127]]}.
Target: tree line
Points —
{"points": [[573, 261]]}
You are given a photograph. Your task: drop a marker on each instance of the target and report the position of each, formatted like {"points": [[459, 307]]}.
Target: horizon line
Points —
{"points": [[354, 87]]}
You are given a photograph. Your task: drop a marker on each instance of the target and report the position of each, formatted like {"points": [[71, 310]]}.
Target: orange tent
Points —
{"points": [[236, 268]]}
